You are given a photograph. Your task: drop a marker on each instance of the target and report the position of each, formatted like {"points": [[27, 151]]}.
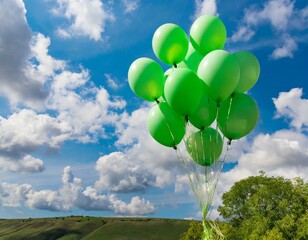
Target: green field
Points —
{"points": [[70, 228]]}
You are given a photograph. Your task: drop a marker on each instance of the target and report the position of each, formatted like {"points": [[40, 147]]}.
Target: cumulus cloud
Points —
{"points": [[137, 206], [15, 38], [142, 163], [24, 132], [283, 153], [11, 195], [70, 195], [39, 52], [284, 19], [60, 200], [120, 174], [205, 7], [86, 17], [81, 106], [291, 105], [80, 110], [287, 49], [276, 12], [91, 200]]}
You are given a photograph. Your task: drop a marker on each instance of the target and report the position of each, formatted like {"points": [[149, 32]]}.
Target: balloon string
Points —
{"points": [[169, 128], [216, 128], [228, 112], [230, 104]]}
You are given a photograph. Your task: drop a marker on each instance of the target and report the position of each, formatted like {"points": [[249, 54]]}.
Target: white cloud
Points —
{"points": [[62, 33], [70, 195], [112, 82], [80, 111], [276, 12], [205, 7], [142, 149], [23, 133], [283, 153], [15, 37], [60, 200], [11, 195], [87, 18], [132, 128], [120, 174], [181, 184], [142, 163], [289, 46], [284, 19], [130, 5], [137, 206], [81, 106], [91, 200], [243, 34], [291, 105], [39, 51], [22, 163]]}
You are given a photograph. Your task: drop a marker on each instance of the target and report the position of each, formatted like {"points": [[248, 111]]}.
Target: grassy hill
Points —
{"points": [[86, 228]]}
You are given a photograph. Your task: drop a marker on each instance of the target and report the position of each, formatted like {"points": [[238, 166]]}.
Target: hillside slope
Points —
{"points": [[92, 228]]}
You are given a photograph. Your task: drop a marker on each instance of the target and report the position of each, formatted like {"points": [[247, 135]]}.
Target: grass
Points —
{"points": [[92, 228]]}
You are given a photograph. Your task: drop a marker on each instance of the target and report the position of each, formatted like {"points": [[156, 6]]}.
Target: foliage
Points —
{"points": [[266, 208], [194, 232], [261, 208]]}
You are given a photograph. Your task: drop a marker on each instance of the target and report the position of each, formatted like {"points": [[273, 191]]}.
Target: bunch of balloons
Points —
{"points": [[204, 83]]}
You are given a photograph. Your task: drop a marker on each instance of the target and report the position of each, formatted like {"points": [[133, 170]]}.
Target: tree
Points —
{"points": [[194, 232], [265, 208]]}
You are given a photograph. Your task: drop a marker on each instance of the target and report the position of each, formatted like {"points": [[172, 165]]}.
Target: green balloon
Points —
{"points": [[165, 125], [170, 43], [168, 72], [146, 79], [204, 146], [205, 113], [191, 60], [208, 33], [238, 116], [220, 71], [166, 75], [183, 91], [250, 70]]}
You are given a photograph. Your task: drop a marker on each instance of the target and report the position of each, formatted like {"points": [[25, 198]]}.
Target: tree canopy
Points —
{"points": [[262, 207]]}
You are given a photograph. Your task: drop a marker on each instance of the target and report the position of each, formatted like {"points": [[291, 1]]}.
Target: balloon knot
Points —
{"points": [[218, 103], [174, 65], [175, 147], [186, 118], [156, 100], [229, 142]]}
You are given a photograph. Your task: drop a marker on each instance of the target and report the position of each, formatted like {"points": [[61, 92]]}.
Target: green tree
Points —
{"points": [[194, 232], [262, 207]]}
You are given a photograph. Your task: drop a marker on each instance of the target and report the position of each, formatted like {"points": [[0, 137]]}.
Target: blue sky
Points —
{"points": [[73, 137]]}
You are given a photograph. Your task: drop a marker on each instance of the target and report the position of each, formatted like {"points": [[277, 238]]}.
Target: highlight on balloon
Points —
{"points": [[201, 100]]}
